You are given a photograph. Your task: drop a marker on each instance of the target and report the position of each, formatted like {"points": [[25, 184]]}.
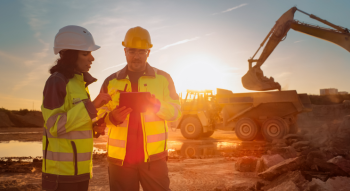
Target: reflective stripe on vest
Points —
{"points": [[61, 129], [71, 135], [152, 118], [67, 157], [157, 137], [116, 143]]}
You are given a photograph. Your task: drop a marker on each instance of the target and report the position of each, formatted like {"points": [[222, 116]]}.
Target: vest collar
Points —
{"points": [[86, 77]]}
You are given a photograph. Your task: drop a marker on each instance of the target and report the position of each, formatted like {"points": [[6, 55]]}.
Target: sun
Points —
{"points": [[203, 72]]}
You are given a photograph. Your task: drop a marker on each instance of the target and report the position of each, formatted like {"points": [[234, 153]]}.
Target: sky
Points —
{"points": [[202, 44]]}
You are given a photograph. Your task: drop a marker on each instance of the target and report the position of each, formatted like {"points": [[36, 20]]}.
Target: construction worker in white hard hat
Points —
{"points": [[69, 113], [137, 140]]}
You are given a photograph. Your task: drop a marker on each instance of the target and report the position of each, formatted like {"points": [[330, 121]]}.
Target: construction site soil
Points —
{"points": [[197, 166]]}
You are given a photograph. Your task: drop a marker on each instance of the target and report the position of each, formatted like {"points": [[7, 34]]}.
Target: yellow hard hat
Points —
{"points": [[137, 37]]}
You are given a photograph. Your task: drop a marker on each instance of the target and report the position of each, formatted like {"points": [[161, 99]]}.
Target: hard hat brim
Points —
{"points": [[91, 48]]}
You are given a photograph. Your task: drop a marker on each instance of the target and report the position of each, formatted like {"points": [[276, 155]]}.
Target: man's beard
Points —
{"points": [[138, 66]]}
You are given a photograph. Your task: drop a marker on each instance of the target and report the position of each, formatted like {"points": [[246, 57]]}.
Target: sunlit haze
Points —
{"points": [[202, 44]]}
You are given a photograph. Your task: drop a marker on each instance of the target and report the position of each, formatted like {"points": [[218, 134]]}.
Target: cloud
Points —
{"points": [[299, 41], [11, 57], [36, 13], [104, 21], [231, 9], [179, 42], [32, 76], [284, 74]]}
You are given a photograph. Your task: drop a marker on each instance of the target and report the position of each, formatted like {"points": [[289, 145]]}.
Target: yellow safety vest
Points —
{"points": [[67, 138], [154, 126]]}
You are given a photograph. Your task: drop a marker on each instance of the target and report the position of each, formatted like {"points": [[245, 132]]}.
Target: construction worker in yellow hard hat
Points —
{"points": [[69, 113], [137, 140]]}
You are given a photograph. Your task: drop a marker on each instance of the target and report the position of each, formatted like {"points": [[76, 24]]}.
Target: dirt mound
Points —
{"points": [[5, 120], [323, 116], [20, 119]]}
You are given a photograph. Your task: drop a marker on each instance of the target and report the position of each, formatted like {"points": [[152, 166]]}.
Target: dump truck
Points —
{"points": [[268, 115]]}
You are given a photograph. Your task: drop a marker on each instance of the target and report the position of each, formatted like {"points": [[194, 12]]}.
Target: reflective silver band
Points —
{"points": [[67, 157], [116, 143], [61, 129], [157, 137], [71, 135]]}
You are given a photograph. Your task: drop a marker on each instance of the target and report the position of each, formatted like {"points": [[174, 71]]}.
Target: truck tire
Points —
{"points": [[208, 134], [191, 128], [189, 150], [246, 129], [274, 128]]}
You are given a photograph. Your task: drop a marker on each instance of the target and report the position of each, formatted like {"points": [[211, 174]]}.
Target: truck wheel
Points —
{"points": [[274, 128], [207, 134], [246, 129], [191, 128], [190, 150]]}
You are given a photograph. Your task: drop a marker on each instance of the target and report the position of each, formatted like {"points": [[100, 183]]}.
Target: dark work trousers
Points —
{"points": [[152, 176], [76, 186]]}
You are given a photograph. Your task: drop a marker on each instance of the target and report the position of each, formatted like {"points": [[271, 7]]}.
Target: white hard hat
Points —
{"points": [[75, 38]]}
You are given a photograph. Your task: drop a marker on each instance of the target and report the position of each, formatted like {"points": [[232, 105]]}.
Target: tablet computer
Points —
{"points": [[137, 101]]}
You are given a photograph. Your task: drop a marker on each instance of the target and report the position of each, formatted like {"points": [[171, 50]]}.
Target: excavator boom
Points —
{"points": [[254, 79]]}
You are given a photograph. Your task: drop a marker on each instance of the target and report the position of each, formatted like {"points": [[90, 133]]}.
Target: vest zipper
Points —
{"points": [[75, 158], [46, 146]]}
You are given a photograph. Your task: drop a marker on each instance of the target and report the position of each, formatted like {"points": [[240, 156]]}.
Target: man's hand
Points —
{"points": [[155, 103], [102, 99], [119, 114], [100, 129]]}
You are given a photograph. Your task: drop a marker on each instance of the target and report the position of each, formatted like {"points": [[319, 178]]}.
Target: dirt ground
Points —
{"points": [[194, 164], [188, 174], [195, 172]]}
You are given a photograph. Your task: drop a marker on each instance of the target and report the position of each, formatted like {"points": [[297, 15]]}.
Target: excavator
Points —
{"points": [[272, 114], [255, 80]]}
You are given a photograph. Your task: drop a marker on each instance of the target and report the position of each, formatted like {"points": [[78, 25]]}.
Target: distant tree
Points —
{"points": [[23, 111]]}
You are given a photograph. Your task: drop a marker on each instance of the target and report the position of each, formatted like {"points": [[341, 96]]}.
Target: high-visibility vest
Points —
{"points": [[67, 138], [154, 125]]}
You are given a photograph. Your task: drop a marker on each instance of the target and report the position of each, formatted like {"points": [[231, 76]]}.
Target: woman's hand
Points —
{"points": [[102, 99]]}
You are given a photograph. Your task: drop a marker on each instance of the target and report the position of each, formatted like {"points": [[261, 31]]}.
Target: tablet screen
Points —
{"points": [[137, 101]]}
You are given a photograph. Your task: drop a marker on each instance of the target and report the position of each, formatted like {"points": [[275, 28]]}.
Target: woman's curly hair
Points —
{"points": [[66, 64]]}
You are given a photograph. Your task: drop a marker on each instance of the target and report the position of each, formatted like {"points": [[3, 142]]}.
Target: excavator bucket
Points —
{"points": [[255, 80]]}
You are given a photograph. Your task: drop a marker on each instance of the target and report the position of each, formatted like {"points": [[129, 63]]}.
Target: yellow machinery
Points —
{"points": [[199, 113], [272, 114], [254, 79]]}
